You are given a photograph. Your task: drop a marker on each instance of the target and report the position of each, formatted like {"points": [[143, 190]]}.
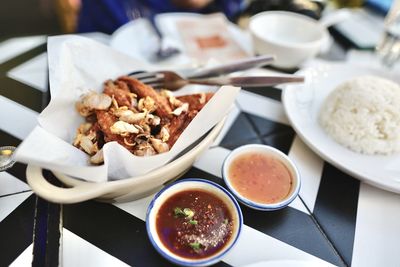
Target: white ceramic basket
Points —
{"points": [[118, 190]]}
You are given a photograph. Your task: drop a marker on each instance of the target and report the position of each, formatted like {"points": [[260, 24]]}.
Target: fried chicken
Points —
{"points": [[142, 120]]}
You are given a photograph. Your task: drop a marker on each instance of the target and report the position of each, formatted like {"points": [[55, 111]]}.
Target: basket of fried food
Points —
{"points": [[133, 114], [145, 122]]}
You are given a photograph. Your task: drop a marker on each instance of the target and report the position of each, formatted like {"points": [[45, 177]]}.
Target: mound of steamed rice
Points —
{"points": [[363, 114]]}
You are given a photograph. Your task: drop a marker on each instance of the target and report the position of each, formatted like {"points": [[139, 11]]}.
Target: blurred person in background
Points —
{"points": [[108, 15]]}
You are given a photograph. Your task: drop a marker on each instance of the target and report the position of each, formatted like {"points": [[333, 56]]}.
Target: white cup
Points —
{"points": [[291, 37]]}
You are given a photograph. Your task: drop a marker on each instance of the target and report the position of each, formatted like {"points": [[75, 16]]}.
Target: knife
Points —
{"points": [[243, 64], [248, 81]]}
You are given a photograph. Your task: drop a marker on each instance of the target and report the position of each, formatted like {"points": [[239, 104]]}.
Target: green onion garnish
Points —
{"points": [[194, 222], [178, 212], [195, 245], [188, 213]]}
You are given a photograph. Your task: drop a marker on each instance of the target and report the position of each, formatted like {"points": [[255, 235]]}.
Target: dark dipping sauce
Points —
{"points": [[260, 177], [194, 224]]}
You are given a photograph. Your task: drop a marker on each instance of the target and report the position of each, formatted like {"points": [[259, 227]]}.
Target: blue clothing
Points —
{"points": [[108, 15]]}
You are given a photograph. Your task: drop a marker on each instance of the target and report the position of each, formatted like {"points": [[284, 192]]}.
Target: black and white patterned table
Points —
{"points": [[335, 220]]}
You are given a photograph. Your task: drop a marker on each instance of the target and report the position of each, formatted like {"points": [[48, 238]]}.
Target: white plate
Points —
{"points": [[302, 104], [138, 40]]}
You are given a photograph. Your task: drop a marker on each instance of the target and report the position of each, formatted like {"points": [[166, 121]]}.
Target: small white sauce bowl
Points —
{"points": [[193, 184], [267, 150], [291, 37]]}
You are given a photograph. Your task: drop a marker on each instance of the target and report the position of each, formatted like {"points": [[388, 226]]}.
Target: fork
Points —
{"points": [[234, 66], [172, 81], [133, 11], [163, 51]]}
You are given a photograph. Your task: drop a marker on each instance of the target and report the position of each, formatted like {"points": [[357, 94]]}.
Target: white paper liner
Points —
{"points": [[76, 66]]}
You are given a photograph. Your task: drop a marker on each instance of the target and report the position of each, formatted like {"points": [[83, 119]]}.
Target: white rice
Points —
{"points": [[363, 114]]}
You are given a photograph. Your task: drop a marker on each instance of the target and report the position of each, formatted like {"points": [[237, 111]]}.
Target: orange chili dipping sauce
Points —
{"points": [[194, 224], [260, 177]]}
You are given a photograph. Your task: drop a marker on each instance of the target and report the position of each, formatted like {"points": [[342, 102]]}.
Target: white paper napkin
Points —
{"points": [[76, 66]]}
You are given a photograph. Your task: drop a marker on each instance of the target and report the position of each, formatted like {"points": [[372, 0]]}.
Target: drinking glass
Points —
{"points": [[389, 47]]}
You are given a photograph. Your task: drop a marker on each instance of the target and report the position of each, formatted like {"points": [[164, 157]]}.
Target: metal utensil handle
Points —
{"points": [[244, 64], [265, 81], [248, 81], [153, 24]]}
